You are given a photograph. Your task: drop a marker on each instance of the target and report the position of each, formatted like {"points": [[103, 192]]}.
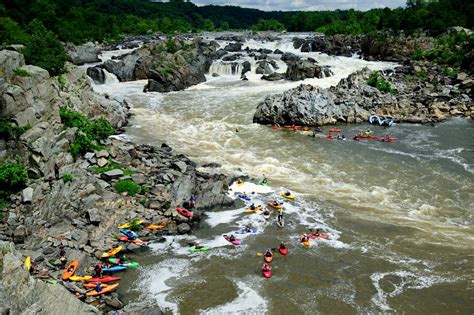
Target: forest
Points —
{"points": [[40, 25]]}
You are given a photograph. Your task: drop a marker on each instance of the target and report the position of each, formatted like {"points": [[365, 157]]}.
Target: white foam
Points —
{"points": [[248, 302]]}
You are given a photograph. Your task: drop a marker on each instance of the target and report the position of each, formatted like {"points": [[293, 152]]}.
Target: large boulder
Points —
{"points": [[9, 62], [87, 53], [233, 47], [124, 68], [306, 69], [97, 74], [305, 105]]}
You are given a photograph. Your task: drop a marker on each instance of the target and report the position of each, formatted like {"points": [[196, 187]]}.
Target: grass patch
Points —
{"points": [[376, 81], [22, 72], [421, 74], [128, 186], [68, 178], [8, 130], [113, 166]]}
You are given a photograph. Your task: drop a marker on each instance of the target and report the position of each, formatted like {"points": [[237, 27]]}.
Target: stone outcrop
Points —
{"points": [[338, 45], [421, 93], [87, 53], [306, 69]]}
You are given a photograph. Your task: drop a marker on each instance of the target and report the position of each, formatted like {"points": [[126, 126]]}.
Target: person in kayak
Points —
{"points": [[266, 267], [123, 259], [252, 206], [264, 180], [98, 287], [198, 246], [130, 235], [248, 229], [317, 233], [239, 181], [98, 270], [287, 193], [275, 203], [268, 253], [232, 238], [282, 245], [304, 238]]}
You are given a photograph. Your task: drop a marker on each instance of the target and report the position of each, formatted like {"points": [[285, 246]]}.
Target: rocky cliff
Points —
{"points": [[418, 93]]}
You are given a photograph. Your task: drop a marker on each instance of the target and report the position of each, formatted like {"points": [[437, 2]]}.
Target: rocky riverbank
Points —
{"points": [[418, 92], [76, 202]]}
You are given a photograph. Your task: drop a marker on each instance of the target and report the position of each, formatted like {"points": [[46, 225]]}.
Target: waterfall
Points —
{"points": [[225, 68], [110, 77]]}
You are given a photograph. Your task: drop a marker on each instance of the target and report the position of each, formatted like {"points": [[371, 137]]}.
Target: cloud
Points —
{"points": [[306, 5]]}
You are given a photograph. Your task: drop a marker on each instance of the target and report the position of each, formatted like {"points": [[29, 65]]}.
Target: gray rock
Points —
{"points": [[94, 216], [233, 47], [184, 228], [19, 234], [180, 166], [102, 162], [87, 53], [97, 74], [113, 174], [89, 155], [27, 195], [9, 62], [102, 154]]}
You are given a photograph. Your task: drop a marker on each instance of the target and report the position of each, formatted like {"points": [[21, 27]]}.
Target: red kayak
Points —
{"points": [[275, 127], [335, 130], [366, 137], [385, 139], [320, 236], [104, 279], [331, 137], [267, 273], [283, 251], [293, 127], [356, 138], [184, 212]]}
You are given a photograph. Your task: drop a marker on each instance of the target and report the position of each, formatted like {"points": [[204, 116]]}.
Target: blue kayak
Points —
{"points": [[246, 232], [114, 269], [245, 197], [124, 231]]}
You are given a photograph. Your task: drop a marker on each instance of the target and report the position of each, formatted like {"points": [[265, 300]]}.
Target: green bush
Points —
{"points": [[8, 130], [22, 72], [67, 178], [13, 177], [376, 81], [113, 166], [62, 82], [89, 131], [128, 186]]}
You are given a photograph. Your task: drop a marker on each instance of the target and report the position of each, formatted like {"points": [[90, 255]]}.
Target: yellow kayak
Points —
{"points": [[257, 208], [240, 182], [77, 278], [112, 252], [28, 263], [127, 225], [154, 227], [306, 244], [287, 196]]}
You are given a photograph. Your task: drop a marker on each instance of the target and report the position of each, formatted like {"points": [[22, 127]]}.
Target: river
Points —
{"points": [[399, 214]]}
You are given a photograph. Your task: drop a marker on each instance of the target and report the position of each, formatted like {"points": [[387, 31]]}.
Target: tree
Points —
{"points": [[43, 49]]}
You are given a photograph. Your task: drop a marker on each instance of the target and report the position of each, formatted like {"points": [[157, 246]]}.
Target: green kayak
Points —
{"points": [[130, 264], [202, 249]]}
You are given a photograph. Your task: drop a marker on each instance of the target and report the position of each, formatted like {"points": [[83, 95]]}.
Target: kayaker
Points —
{"points": [[287, 193], [98, 270], [266, 212], [275, 203], [266, 267], [280, 214], [317, 233], [282, 246], [252, 206], [304, 238], [98, 287], [239, 181], [197, 245], [268, 253], [192, 201], [63, 261], [264, 180], [248, 229], [130, 235], [62, 252], [231, 238]]}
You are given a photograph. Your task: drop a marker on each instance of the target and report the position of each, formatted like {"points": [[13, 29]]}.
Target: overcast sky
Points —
{"points": [[306, 5]]}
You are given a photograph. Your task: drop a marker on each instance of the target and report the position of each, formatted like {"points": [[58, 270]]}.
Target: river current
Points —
{"points": [[399, 214]]}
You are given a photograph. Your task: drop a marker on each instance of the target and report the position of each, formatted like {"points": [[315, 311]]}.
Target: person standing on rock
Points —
{"points": [[192, 201], [98, 270]]}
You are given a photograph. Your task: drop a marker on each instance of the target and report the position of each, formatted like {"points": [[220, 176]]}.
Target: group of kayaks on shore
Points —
{"points": [[111, 261], [335, 134]]}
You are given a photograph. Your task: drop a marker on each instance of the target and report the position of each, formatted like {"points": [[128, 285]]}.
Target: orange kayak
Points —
{"points": [[106, 289], [70, 270], [273, 206], [155, 227]]}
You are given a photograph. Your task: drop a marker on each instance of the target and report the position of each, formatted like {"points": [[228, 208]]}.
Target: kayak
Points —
{"points": [[28, 263], [335, 130], [267, 273], [257, 208], [268, 259], [385, 139], [77, 278], [246, 232], [293, 127], [366, 136], [70, 270], [104, 279], [267, 216], [112, 252], [243, 197], [275, 127], [330, 137], [202, 249], [114, 261], [320, 236], [114, 269], [273, 206], [127, 225], [283, 194], [136, 241], [124, 232], [93, 285], [283, 251], [234, 242], [184, 212], [154, 227], [306, 244], [104, 290], [130, 264], [356, 138]]}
